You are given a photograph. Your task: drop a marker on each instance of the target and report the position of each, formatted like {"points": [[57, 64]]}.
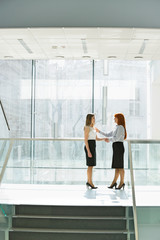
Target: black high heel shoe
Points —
{"points": [[122, 186], [112, 186], [88, 185]]}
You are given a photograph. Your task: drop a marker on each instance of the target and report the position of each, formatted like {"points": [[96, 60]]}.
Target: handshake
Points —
{"points": [[105, 139]]}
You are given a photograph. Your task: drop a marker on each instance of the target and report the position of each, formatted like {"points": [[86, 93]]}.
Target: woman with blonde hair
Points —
{"points": [[117, 137], [90, 137]]}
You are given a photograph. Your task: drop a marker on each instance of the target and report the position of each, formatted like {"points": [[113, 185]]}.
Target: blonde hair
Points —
{"points": [[89, 119]]}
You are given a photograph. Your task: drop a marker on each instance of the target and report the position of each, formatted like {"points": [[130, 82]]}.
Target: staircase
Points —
{"points": [[71, 223]]}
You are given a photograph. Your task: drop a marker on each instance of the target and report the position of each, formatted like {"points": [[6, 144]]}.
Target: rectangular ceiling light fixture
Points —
{"points": [[22, 42], [141, 51], [84, 45]]}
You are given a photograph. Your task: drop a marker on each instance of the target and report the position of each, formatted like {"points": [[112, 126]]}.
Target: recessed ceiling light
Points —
{"points": [[8, 56], [86, 56], [59, 56], [138, 57], [112, 57]]}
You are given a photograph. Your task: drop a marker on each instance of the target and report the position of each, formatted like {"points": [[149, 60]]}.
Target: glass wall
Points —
{"points": [[121, 86], [51, 98], [15, 95], [63, 97], [62, 94]]}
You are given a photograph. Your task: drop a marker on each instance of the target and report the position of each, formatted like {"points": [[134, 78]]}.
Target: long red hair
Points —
{"points": [[121, 121]]}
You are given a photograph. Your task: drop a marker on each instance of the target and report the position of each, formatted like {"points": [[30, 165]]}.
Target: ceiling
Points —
{"points": [[80, 43]]}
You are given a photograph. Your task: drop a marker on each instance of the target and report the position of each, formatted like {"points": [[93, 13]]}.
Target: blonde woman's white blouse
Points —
{"points": [[92, 133]]}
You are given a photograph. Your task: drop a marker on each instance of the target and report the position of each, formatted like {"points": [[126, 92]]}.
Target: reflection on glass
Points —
{"points": [[63, 97], [146, 163], [15, 94], [126, 86]]}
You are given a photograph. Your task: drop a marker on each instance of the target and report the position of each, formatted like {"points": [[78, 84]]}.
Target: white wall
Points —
{"points": [[155, 100]]}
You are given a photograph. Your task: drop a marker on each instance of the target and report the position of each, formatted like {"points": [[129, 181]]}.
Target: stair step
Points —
{"points": [[70, 210], [70, 222], [71, 217], [99, 224], [66, 230], [39, 234]]}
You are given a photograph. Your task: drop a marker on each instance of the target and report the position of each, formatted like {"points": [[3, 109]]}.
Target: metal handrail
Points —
{"points": [[4, 114], [133, 191], [79, 139], [6, 160], [144, 141], [43, 139]]}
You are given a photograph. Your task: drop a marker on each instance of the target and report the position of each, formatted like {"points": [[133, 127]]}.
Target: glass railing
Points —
{"points": [[61, 161], [56, 161], [145, 155], [146, 162], [5, 220]]}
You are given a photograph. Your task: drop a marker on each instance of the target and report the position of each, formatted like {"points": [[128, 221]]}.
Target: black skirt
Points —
{"points": [[92, 146], [118, 155]]}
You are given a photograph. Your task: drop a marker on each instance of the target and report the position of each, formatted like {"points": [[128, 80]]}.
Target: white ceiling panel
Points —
{"points": [[156, 57], [78, 43], [81, 33], [151, 34], [47, 32], [115, 33]]}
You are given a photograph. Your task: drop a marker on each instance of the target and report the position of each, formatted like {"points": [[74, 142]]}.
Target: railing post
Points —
{"points": [[6, 160], [2, 148], [133, 191]]}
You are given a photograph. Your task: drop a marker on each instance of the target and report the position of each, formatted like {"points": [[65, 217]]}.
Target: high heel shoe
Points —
{"points": [[113, 185], [88, 185], [122, 186]]}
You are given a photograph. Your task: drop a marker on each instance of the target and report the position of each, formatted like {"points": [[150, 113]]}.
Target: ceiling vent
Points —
{"points": [[54, 47]]}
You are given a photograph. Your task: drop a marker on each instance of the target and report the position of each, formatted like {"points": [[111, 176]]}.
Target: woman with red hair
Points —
{"points": [[117, 137]]}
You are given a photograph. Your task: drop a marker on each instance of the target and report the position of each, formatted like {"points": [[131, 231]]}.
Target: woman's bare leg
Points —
{"points": [[116, 175], [89, 174], [122, 173]]}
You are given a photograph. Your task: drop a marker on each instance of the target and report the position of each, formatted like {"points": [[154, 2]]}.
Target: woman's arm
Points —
{"points": [[110, 134], [86, 133], [99, 139]]}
